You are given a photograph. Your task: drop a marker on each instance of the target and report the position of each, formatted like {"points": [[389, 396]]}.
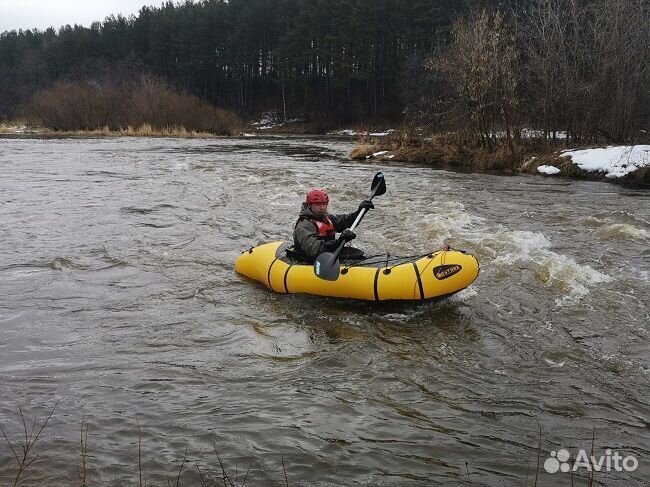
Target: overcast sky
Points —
{"points": [[28, 14]]}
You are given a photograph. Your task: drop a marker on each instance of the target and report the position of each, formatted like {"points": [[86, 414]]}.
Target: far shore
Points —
{"points": [[531, 156], [143, 131], [534, 156]]}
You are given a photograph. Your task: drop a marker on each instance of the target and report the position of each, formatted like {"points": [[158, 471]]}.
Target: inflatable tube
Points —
{"points": [[436, 275]]}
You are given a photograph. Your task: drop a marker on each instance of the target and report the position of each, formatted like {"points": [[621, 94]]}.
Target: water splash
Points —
{"points": [[555, 270]]}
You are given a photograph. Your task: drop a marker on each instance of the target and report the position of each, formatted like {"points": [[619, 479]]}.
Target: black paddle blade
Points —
{"points": [[380, 183], [327, 266]]}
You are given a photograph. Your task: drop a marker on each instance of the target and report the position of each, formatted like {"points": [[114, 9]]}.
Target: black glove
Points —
{"points": [[347, 235], [331, 245], [366, 205]]}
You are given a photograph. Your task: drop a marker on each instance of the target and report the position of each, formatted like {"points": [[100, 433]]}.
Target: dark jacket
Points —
{"points": [[305, 235]]}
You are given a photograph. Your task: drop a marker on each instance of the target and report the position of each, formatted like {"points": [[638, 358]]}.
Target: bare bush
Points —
{"points": [[146, 102], [581, 67], [24, 455], [72, 106], [480, 69], [622, 87]]}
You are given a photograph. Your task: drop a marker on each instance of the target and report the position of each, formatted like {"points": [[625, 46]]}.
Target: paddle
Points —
{"points": [[327, 265]]}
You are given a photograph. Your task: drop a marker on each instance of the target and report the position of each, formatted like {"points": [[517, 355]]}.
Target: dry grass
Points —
{"points": [[449, 151], [361, 151], [639, 179], [13, 127], [145, 130], [442, 151]]}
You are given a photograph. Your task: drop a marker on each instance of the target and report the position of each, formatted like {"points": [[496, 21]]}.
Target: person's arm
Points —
{"points": [[341, 222], [310, 242]]}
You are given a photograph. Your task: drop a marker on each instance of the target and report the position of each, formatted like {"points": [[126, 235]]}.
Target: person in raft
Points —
{"points": [[315, 230]]}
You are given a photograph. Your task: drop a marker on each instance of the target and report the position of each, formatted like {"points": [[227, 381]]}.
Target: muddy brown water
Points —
{"points": [[119, 304]]}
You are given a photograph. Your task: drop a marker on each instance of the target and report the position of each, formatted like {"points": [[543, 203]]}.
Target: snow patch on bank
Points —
{"points": [[548, 170], [614, 161], [384, 154], [361, 133], [272, 119]]}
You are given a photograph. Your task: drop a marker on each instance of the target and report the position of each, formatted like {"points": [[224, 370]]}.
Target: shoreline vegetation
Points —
{"points": [[528, 156], [144, 130], [576, 74], [387, 146], [142, 105]]}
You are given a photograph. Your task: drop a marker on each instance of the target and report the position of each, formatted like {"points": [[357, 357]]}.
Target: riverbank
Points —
{"points": [[145, 130], [626, 165]]}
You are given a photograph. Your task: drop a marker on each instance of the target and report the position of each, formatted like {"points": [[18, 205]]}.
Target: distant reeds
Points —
{"points": [[144, 130], [361, 151]]}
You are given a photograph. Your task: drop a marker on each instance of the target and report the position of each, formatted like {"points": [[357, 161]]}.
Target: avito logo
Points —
{"points": [[561, 460]]}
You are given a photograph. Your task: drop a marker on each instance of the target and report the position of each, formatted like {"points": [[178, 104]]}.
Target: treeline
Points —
{"points": [[141, 101], [575, 69], [341, 59], [486, 69]]}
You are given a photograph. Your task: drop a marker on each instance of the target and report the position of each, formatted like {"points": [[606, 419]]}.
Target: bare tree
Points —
{"points": [[586, 69], [622, 43], [480, 69]]}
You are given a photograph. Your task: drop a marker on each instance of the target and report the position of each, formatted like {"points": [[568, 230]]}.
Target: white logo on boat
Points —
{"points": [[444, 271]]}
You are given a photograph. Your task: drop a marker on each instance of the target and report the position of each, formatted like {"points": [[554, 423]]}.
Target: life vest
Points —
{"points": [[325, 229]]}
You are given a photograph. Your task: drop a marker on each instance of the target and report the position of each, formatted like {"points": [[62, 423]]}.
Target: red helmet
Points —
{"points": [[316, 195]]}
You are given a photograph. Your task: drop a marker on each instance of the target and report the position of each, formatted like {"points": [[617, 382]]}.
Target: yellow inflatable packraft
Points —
{"points": [[436, 275]]}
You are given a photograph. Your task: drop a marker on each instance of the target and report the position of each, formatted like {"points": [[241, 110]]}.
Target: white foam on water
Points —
{"points": [[625, 230], [554, 364], [578, 278], [517, 246], [558, 271], [641, 274], [413, 232], [450, 222], [462, 296], [253, 180], [397, 317]]}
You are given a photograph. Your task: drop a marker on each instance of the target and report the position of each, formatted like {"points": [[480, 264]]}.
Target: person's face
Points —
{"points": [[319, 209]]}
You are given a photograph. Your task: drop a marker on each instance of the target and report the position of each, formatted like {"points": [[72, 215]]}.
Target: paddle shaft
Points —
{"points": [[357, 220], [326, 265]]}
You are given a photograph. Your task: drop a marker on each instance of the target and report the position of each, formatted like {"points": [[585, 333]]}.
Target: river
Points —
{"points": [[120, 306]]}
